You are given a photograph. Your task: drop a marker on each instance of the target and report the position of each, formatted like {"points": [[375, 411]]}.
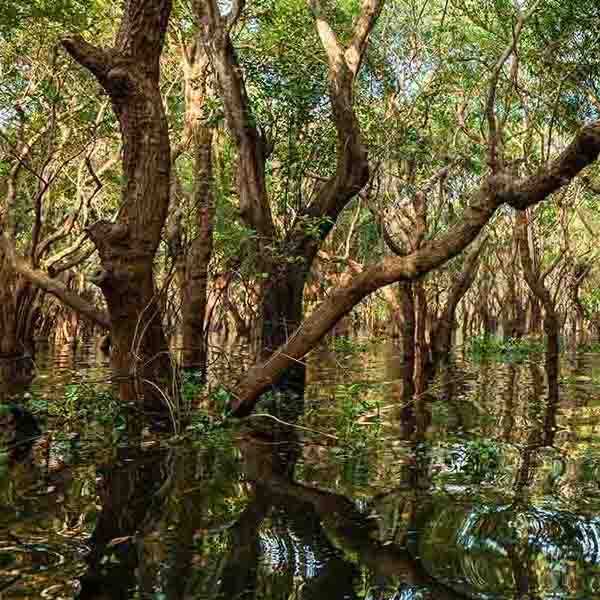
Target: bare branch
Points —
{"points": [[97, 60], [52, 286], [370, 11]]}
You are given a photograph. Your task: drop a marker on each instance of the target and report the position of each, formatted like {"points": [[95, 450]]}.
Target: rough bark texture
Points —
{"points": [[494, 191], [129, 72]]}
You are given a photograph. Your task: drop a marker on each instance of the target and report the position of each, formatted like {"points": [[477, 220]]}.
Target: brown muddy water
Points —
{"points": [[482, 488]]}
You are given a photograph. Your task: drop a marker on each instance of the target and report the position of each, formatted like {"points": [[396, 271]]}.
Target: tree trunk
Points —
{"points": [[129, 73], [17, 316], [535, 316], [281, 302], [192, 261], [441, 337], [194, 292], [281, 306], [578, 274], [407, 337], [535, 281]]}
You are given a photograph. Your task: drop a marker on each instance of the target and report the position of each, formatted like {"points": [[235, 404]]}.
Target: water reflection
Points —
{"points": [[484, 487]]}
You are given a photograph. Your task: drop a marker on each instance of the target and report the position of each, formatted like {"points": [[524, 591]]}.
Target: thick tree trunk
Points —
{"points": [[281, 303], [129, 73], [281, 307]]}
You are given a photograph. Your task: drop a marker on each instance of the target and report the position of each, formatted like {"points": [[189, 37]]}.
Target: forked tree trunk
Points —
{"points": [[129, 72], [283, 289], [536, 282]]}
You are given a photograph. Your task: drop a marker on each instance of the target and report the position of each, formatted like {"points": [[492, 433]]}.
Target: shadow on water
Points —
{"points": [[484, 487]]}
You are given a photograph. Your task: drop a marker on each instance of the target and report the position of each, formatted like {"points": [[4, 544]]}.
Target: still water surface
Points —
{"points": [[487, 487]]}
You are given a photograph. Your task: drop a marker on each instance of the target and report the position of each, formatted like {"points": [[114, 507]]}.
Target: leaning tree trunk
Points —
{"points": [[129, 73]]}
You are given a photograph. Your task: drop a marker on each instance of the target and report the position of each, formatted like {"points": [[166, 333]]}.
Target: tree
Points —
{"points": [[286, 257], [130, 75]]}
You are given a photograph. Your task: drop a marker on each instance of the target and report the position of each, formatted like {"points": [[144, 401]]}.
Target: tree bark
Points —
{"points": [[129, 73]]}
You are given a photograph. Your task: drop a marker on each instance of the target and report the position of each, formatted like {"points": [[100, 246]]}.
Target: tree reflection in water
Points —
{"points": [[235, 522]]}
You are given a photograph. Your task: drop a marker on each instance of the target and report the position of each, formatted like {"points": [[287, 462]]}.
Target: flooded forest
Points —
{"points": [[300, 299]]}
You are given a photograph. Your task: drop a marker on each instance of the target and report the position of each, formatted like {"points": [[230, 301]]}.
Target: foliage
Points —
{"points": [[487, 347], [347, 345], [81, 402], [358, 421], [473, 459]]}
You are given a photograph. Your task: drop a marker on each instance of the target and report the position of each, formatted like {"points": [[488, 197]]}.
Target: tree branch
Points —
{"points": [[52, 286], [250, 144], [492, 193], [370, 11], [352, 168], [97, 60]]}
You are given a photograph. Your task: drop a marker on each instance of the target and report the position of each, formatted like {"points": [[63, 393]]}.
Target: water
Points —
{"points": [[486, 487]]}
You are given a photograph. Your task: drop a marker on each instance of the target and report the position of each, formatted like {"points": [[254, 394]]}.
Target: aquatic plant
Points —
{"points": [[488, 347]]}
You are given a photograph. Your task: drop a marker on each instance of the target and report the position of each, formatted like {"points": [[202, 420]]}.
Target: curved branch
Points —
{"points": [[250, 143], [53, 286], [493, 192]]}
